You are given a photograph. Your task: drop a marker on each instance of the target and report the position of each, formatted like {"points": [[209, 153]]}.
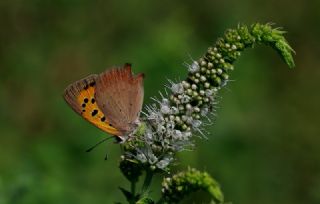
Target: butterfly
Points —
{"points": [[111, 101]]}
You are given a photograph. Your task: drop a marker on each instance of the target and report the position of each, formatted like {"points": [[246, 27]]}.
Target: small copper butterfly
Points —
{"points": [[111, 101]]}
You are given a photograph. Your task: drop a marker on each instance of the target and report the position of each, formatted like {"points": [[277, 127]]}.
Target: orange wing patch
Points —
{"points": [[91, 112], [81, 97]]}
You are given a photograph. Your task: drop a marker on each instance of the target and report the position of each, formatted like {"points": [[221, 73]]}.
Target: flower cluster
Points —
{"points": [[175, 188], [170, 123]]}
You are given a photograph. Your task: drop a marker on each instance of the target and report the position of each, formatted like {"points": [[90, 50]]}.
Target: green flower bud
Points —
{"points": [[203, 78], [217, 81], [207, 85], [225, 76], [174, 189], [203, 62], [194, 94], [189, 92], [184, 127], [196, 109]]}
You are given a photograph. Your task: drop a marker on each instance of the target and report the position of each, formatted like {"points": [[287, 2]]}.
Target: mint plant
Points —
{"points": [[171, 123]]}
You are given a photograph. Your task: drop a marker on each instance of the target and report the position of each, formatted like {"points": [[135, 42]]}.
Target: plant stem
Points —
{"points": [[133, 192], [147, 181], [133, 188]]}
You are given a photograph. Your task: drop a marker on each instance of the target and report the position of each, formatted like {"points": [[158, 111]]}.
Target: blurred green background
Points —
{"points": [[263, 148]]}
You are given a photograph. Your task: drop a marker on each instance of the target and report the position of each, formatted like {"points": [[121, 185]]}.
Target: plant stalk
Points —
{"points": [[133, 192], [147, 181]]}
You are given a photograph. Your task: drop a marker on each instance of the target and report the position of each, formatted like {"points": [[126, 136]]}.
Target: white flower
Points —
{"points": [[209, 92], [142, 158], [196, 123], [187, 134], [185, 98], [204, 111], [152, 158], [148, 135], [189, 119], [165, 109], [165, 101], [161, 129], [174, 110], [162, 164], [170, 125], [177, 134], [155, 116], [194, 67], [177, 88]]}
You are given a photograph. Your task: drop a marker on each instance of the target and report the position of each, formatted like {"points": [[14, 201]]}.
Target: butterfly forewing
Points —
{"points": [[120, 96], [81, 97]]}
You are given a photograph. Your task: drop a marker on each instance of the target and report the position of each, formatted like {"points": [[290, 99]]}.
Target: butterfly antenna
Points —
{"points": [[94, 146]]}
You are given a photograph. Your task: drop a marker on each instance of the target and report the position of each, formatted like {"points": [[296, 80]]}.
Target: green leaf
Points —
{"points": [[145, 200], [127, 194]]}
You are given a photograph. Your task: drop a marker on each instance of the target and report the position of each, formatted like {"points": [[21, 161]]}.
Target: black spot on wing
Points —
{"points": [[94, 112]]}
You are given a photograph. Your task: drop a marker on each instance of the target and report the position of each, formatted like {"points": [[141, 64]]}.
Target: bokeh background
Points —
{"points": [[264, 146]]}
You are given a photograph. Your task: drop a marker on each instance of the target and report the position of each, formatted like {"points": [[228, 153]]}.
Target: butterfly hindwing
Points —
{"points": [[81, 97], [120, 96]]}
